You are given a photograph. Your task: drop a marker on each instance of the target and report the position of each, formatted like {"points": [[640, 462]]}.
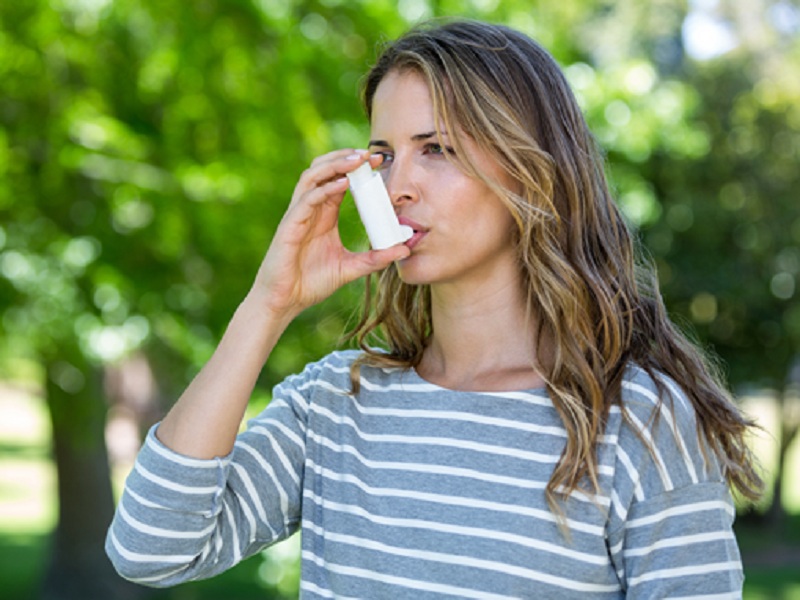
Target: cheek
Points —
{"points": [[469, 204], [499, 224], [491, 209], [486, 231]]}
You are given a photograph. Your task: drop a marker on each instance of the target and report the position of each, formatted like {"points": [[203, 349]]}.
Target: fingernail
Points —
{"points": [[354, 156]]}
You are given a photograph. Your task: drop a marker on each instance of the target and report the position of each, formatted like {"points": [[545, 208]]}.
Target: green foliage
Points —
{"points": [[148, 150], [729, 241]]}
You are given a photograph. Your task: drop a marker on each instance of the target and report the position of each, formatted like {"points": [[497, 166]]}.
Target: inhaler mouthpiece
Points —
{"points": [[376, 210]]}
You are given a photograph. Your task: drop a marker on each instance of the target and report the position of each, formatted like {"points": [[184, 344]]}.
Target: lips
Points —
{"points": [[420, 231]]}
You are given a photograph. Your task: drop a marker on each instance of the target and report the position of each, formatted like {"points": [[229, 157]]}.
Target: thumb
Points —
{"points": [[375, 260]]}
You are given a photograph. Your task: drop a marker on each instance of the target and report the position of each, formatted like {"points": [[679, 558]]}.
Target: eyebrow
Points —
{"points": [[418, 137]]}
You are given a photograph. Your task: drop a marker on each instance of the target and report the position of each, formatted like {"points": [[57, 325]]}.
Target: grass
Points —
{"points": [[28, 513]]}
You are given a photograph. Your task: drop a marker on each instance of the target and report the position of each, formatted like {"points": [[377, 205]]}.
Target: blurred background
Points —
{"points": [[148, 149]]}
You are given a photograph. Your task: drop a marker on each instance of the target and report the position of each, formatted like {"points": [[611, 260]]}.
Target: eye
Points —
{"points": [[438, 150]]}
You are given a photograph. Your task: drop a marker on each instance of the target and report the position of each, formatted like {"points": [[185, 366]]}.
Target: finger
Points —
{"points": [[314, 195], [333, 155], [364, 263], [389, 255], [326, 176], [333, 167], [330, 192], [376, 160]]}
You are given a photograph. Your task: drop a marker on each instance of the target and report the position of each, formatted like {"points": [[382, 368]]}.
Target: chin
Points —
{"points": [[411, 274]]}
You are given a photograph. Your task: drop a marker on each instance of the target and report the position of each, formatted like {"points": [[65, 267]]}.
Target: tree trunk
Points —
{"points": [[78, 568]]}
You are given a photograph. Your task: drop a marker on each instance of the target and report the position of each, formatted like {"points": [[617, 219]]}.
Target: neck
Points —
{"points": [[482, 339]]}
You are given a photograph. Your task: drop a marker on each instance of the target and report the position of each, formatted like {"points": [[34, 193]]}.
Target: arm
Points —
{"points": [[670, 529], [680, 545], [306, 262], [192, 506], [182, 518]]}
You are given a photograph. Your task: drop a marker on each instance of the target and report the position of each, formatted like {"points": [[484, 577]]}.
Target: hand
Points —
{"points": [[306, 261]]}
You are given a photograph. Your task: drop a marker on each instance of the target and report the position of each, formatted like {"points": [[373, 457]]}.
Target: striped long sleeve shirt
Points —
{"points": [[410, 490]]}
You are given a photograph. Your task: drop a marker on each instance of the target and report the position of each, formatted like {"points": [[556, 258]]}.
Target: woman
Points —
{"points": [[531, 425]]}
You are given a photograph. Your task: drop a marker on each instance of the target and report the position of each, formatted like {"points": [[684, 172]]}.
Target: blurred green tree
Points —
{"points": [[716, 197], [148, 150]]}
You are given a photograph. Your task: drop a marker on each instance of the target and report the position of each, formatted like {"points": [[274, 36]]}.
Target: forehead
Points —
{"points": [[402, 104]]}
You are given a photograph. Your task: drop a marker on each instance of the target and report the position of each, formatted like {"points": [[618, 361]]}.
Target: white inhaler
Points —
{"points": [[376, 210]]}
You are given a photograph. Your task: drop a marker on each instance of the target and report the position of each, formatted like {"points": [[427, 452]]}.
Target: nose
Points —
{"points": [[401, 182]]}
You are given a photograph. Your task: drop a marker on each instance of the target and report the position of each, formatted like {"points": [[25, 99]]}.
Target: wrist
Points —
{"points": [[257, 306]]}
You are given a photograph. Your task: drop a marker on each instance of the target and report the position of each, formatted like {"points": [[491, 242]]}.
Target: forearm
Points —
{"points": [[181, 519], [306, 262], [205, 420]]}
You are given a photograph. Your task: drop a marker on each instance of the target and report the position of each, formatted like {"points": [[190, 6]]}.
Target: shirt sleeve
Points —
{"points": [[671, 526], [181, 519], [680, 544]]}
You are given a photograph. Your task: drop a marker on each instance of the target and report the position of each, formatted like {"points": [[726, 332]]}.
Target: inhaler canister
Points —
{"points": [[376, 210]]}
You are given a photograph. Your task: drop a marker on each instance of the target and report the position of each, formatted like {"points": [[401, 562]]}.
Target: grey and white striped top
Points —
{"points": [[410, 490]]}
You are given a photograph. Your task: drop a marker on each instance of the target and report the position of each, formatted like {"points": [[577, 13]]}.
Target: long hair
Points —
{"points": [[591, 298]]}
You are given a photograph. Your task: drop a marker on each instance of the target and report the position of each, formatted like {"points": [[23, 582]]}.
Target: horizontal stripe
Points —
{"points": [[384, 578], [142, 500], [452, 500], [681, 541], [677, 511], [445, 470], [313, 588], [460, 530], [186, 461], [327, 366], [386, 438], [729, 596], [461, 560], [138, 557], [450, 416], [157, 578], [325, 385], [531, 398], [399, 387], [160, 531], [688, 571], [171, 485]]}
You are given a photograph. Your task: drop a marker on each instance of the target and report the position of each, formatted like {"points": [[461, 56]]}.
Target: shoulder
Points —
{"points": [[332, 373], [333, 368], [654, 405], [655, 448], [657, 435], [323, 381]]}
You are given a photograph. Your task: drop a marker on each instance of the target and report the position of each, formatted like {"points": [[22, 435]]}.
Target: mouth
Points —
{"points": [[420, 231]]}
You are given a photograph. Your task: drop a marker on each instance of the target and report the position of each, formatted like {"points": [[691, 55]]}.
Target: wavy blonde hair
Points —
{"points": [[588, 293]]}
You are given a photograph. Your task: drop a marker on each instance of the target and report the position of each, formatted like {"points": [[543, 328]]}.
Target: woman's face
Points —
{"points": [[463, 232]]}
